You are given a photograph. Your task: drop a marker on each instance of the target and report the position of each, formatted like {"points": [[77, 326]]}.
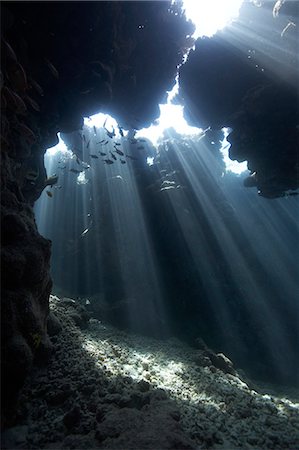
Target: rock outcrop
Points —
{"points": [[62, 62]]}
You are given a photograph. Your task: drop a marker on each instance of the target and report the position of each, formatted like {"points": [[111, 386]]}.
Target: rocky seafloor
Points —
{"points": [[108, 389]]}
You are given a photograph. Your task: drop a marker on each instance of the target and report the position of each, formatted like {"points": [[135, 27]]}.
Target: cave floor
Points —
{"points": [[108, 389]]}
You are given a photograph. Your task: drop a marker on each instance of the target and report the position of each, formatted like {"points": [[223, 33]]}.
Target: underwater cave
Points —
{"points": [[149, 225]]}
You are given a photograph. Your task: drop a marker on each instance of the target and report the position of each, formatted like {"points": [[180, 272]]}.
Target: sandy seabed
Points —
{"points": [[107, 389]]}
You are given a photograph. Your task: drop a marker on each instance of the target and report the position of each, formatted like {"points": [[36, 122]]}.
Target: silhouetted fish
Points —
{"points": [[111, 134], [121, 131], [117, 143], [52, 68], [75, 171], [49, 193], [122, 161], [113, 156], [37, 87], [77, 160], [119, 152], [108, 161], [87, 145], [50, 181], [101, 142], [94, 156], [95, 130], [32, 103], [84, 232], [103, 154]]}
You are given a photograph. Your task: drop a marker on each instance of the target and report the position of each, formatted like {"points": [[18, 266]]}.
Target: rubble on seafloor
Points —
{"points": [[109, 389]]}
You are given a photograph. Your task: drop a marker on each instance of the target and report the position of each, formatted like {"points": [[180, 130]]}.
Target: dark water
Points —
{"points": [[181, 248]]}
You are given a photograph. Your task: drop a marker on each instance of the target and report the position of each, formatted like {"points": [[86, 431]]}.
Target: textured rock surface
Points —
{"points": [[246, 79], [60, 62], [105, 388]]}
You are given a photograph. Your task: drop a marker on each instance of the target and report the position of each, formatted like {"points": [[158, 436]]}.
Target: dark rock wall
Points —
{"points": [[246, 78], [61, 61]]}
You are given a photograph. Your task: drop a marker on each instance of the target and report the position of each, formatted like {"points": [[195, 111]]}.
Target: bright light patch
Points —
{"points": [[102, 120], [230, 165], [60, 147], [150, 160], [209, 16], [171, 116], [81, 179]]}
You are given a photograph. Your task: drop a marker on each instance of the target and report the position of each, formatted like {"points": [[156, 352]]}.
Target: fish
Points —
{"points": [[52, 68], [113, 156], [121, 131], [111, 134], [32, 103], [167, 188], [84, 232], [94, 156], [14, 101], [9, 52], [289, 25], [51, 180], [18, 78], [87, 91], [87, 145], [117, 143], [141, 140], [37, 87], [140, 147], [75, 171], [277, 8], [131, 157], [108, 161], [103, 154], [167, 183], [101, 142], [77, 160], [49, 193], [119, 152], [26, 132], [95, 130], [84, 138], [122, 161]]}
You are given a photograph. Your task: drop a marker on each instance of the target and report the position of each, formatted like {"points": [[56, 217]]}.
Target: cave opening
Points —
{"points": [[151, 252]]}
